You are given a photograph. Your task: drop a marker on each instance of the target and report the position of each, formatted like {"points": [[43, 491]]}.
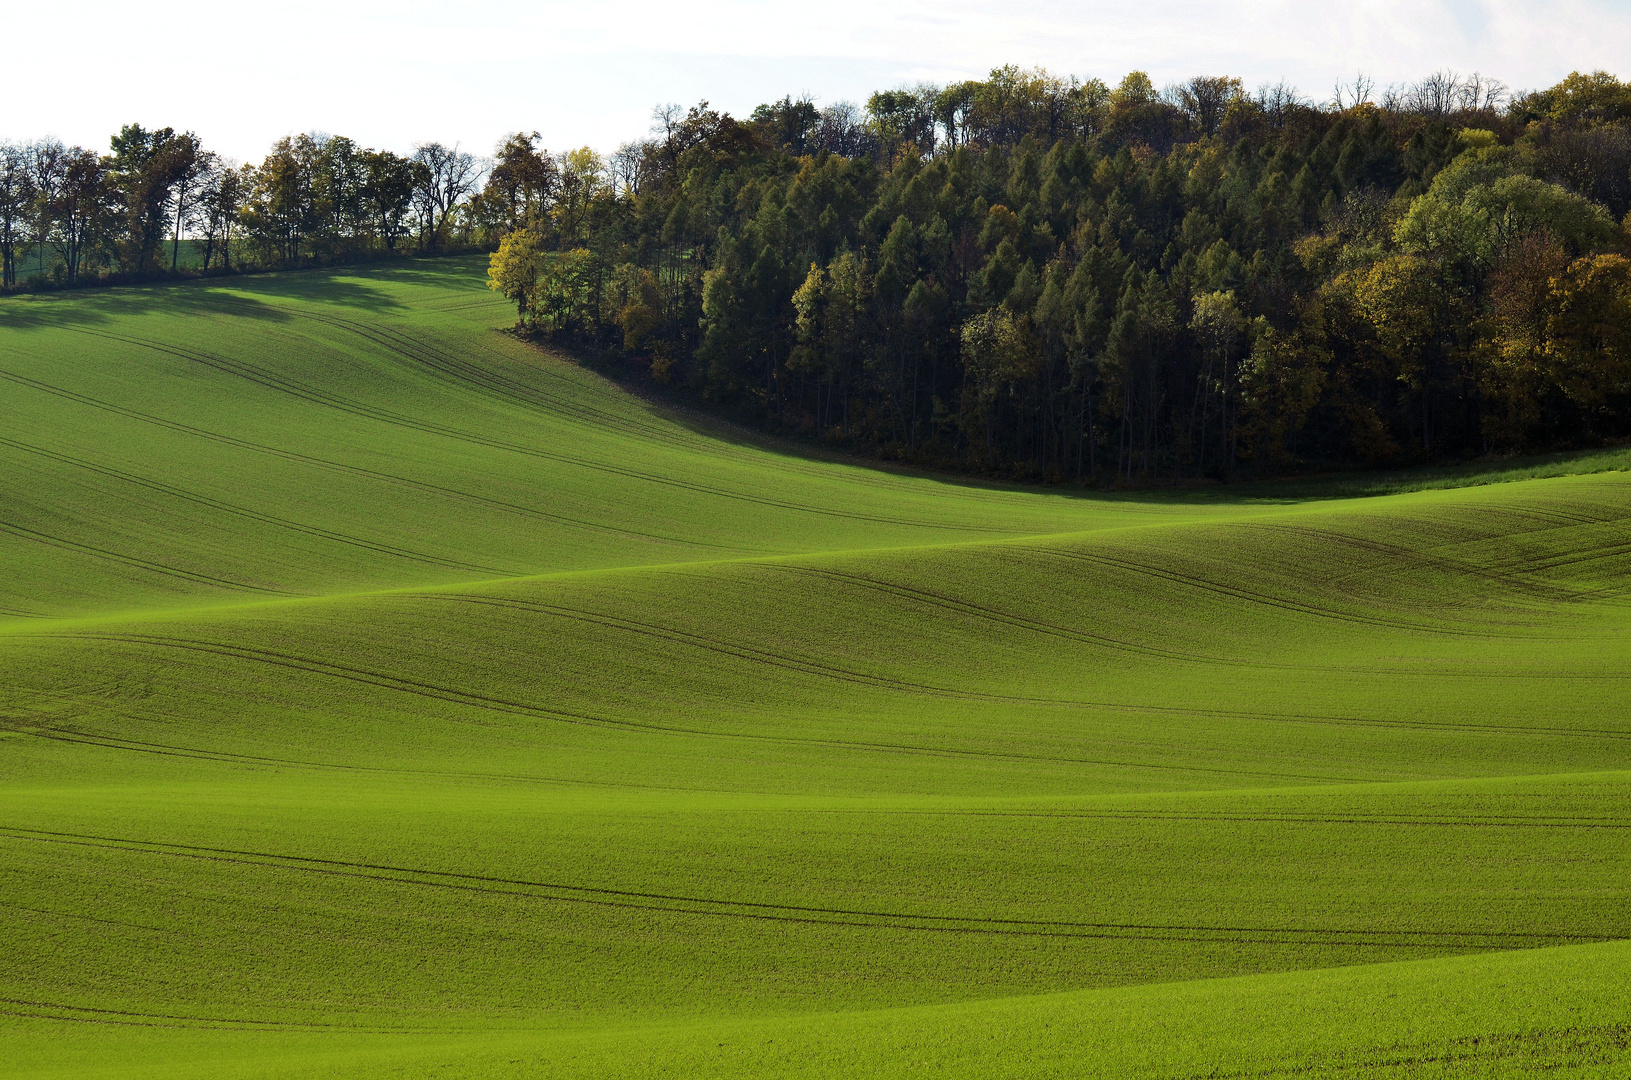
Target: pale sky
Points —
{"points": [[390, 73]]}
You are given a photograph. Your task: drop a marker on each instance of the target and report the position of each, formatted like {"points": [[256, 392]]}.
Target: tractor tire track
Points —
{"points": [[862, 918], [1251, 596], [1395, 820], [1413, 1059], [352, 470], [1410, 556], [387, 416], [135, 562], [113, 742], [969, 608], [738, 652], [456, 372], [503, 706], [255, 515], [22, 613], [809, 667], [149, 1019]]}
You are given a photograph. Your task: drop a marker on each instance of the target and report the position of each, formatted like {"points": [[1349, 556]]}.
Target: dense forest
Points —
{"points": [[1023, 276]]}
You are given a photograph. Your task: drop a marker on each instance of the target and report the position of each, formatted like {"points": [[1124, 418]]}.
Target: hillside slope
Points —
{"points": [[380, 695]]}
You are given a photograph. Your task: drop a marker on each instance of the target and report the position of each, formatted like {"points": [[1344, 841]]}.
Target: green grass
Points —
{"points": [[382, 697]]}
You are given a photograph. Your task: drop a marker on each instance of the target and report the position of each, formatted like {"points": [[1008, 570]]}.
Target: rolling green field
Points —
{"points": [[383, 697]]}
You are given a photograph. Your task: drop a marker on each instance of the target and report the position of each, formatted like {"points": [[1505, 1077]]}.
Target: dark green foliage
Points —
{"points": [[995, 195]]}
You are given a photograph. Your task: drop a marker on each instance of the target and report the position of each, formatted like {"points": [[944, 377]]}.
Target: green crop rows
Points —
{"points": [[383, 697]]}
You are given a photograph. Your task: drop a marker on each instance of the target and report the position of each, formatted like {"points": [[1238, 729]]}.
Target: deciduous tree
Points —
{"points": [[513, 269], [17, 197]]}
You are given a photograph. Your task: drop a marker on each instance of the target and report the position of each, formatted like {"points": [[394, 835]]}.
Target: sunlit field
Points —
{"points": [[383, 696]]}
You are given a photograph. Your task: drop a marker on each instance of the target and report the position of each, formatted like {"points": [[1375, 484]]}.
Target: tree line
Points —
{"points": [[1042, 278], [1026, 275], [89, 217]]}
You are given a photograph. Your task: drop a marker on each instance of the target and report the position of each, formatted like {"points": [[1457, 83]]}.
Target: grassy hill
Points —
{"points": [[382, 697]]}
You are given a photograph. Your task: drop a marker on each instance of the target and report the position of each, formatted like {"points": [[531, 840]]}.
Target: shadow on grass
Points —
{"points": [[351, 286], [1476, 472], [241, 296], [91, 308]]}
